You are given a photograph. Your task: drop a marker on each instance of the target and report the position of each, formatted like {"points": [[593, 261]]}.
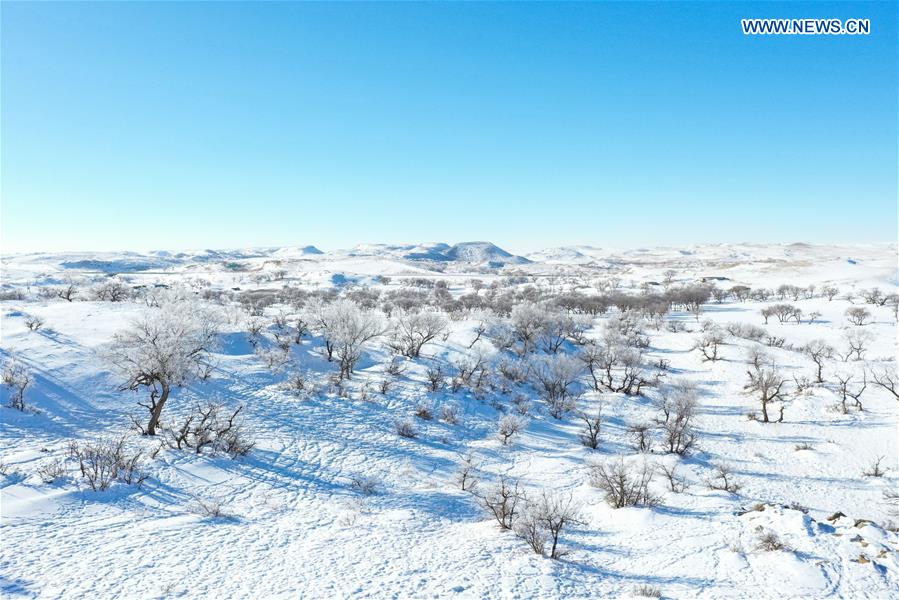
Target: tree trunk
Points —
{"points": [[156, 411]]}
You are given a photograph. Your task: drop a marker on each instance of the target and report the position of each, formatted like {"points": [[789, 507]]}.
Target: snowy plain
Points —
{"points": [[296, 525]]}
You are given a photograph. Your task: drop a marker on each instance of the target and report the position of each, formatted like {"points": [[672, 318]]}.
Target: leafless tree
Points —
{"points": [[857, 315], [502, 501], [843, 382], [830, 292], [467, 476], [33, 322], [527, 320], [435, 378], [676, 483], [479, 331], [709, 343], [554, 377], [857, 341], [875, 470], [412, 330], [677, 405], [67, 292], [819, 351], [589, 436], [347, 330], [888, 380], [768, 383], [17, 378], [509, 426], [723, 480], [167, 347]]}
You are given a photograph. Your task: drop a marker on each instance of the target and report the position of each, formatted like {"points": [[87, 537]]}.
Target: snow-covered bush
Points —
{"points": [[414, 329], [508, 427], [405, 428], [544, 519], [103, 462], [677, 404], [17, 378], [555, 377], [211, 426], [623, 485]]}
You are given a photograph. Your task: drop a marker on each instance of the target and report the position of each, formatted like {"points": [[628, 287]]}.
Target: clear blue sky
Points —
{"points": [[211, 125]]}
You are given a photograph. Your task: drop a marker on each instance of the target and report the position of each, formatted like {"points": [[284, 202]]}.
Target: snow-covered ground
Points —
{"points": [[295, 524]]}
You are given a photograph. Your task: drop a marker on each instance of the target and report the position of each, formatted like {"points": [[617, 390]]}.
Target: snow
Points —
{"points": [[295, 526]]}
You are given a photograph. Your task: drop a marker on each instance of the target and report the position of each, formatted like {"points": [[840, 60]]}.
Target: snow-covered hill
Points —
{"points": [[333, 502]]}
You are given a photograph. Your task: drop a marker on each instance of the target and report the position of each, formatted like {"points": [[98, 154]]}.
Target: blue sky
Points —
{"points": [[218, 125]]}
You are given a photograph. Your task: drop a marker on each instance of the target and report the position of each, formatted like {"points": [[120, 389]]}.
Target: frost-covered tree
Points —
{"points": [[555, 377], [17, 378], [527, 321], [166, 347], [677, 404], [414, 329], [347, 329]]}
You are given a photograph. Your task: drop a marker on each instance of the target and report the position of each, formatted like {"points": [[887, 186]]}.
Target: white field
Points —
{"points": [[298, 529]]}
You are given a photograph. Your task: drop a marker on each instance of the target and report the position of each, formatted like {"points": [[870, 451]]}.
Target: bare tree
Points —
{"points": [[677, 404], [502, 501], [167, 347], [676, 483], [723, 480], [768, 383], [857, 315], [347, 330], [467, 476], [857, 340], [819, 351], [589, 436], [843, 382], [527, 320], [33, 322], [412, 330], [830, 292], [509, 426], [709, 343], [888, 380], [17, 378], [67, 292]]}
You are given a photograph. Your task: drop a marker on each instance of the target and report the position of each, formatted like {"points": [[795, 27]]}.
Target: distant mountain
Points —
{"points": [[483, 252]]}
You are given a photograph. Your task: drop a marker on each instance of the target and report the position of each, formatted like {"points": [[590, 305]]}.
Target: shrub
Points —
{"points": [[52, 471], [424, 410], [33, 322], [365, 484], [209, 426], [770, 542], [104, 462], [449, 413], [623, 485], [543, 520], [405, 428]]}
